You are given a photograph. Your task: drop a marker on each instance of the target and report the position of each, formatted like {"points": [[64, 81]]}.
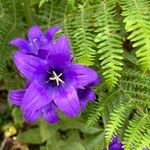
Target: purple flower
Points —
{"points": [[115, 144], [54, 83], [36, 40]]}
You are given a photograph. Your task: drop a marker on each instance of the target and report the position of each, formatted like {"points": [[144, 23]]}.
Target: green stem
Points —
{"points": [[27, 11]]}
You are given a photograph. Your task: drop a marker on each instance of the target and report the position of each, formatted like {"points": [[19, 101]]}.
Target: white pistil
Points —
{"points": [[35, 42], [56, 78]]}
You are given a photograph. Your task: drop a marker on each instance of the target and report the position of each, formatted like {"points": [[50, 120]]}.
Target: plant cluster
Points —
{"points": [[110, 36]]}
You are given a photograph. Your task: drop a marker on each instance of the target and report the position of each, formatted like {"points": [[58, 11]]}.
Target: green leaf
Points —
{"points": [[72, 146], [17, 117], [57, 143], [32, 136], [43, 148], [79, 125], [46, 130], [42, 2], [96, 142]]}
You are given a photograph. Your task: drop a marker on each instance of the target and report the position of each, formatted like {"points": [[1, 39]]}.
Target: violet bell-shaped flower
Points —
{"points": [[36, 40], [55, 83], [115, 144]]}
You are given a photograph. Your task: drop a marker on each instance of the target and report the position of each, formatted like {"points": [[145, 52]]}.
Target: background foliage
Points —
{"points": [[113, 37]]}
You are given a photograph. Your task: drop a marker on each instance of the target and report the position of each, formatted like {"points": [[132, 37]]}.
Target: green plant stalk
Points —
{"points": [[27, 11]]}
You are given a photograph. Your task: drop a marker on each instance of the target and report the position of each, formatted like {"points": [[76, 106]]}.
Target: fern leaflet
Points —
{"points": [[137, 21], [115, 122], [134, 134], [110, 48]]}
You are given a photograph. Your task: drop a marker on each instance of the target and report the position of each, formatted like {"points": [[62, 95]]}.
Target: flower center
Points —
{"points": [[35, 41], [56, 78]]}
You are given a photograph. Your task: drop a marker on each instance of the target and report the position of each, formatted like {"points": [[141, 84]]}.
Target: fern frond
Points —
{"points": [[5, 34], [104, 101], [83, 45], [110, 45], [137, 87], [145, 142], [137, 21], [134, 134], [71, 3], [116, 121], [94, 115], [130, 57]]}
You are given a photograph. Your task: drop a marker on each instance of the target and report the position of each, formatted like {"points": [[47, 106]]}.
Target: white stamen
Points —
{"points": [[35, 42], [56, 78]]}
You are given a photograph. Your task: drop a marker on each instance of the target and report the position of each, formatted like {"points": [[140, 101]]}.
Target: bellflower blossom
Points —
{"points": [[36, 40], [116, 144], [55, 82]]}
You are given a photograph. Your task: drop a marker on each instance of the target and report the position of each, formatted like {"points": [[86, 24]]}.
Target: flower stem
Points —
{"points": [[27, 11]]}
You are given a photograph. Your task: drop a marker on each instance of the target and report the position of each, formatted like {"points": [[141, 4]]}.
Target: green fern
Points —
{"points": [[5, 34], [71, 3], [83, 38], [95, 114], [9, 29], [105, 100], [115, 122], [134, 134], [144, 141], [137, 21], [109, 47], [136, 87]]}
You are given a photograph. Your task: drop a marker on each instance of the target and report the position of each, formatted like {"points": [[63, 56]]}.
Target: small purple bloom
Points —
{"points": [[36, 40], [115, 144], [85, 94], [54, 82]]}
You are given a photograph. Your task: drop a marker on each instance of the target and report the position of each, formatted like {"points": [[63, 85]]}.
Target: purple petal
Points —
{"points": [[114, 140], [31, 116], [86, 94], [60, 51], [27, 64], [116, 146], [50, 114], [94, 83], [67, 101], [62, 46], [34, 32], [16, 96], [83, 104], [27, 84], [20, 43], [43, 52], [50, 33], [80, 75], [35, 97]]}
